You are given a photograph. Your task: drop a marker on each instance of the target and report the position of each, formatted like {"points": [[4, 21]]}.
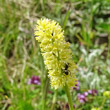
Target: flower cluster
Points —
{"points": [[83, 97], [56, 52], [34, 80]]}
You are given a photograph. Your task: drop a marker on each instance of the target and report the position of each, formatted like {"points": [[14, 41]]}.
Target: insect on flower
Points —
{"points": [[66, 69]]}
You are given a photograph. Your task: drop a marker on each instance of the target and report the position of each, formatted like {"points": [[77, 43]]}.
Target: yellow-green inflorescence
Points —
{"points": [[56, 52], [106, 94]]}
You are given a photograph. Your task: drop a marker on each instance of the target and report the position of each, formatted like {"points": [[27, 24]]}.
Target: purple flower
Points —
{"points": [[77, 86], [81, 101], [34, 80], [67, 106], [85, 93], [74, 106], [90, 91], [93, 92], [82, 98]]}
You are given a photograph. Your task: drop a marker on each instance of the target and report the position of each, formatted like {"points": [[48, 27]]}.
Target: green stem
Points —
{"points": [[103, 103], [43, 81], [108, 54], [54, 100], [44, 91], [67, 90]]}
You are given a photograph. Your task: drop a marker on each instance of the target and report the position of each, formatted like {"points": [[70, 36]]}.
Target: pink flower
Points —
{"points": [[34, 80]]}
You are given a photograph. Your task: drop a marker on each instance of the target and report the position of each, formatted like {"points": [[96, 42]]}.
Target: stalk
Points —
{"points": [[44, 91], [54, 100], [43, 81], [66, 86], [67, 90]]}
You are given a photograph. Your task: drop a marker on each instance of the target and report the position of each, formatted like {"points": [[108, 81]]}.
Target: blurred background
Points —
{"points": [[24, 84]]}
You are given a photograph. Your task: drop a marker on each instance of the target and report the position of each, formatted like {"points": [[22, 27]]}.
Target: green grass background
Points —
{"points": [[87, 27]]}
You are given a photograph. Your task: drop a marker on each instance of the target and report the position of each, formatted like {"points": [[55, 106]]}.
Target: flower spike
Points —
{"points": [[56, 52]]}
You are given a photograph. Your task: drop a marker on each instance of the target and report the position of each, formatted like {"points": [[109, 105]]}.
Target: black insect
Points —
{"points": [[52, 33], [66, 69]]}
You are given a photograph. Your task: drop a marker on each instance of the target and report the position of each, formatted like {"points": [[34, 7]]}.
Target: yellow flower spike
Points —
{"points": [[56, 52]]}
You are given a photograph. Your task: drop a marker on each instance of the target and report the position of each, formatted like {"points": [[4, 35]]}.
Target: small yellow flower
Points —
{"points": [[6, 96], [56, 52], [95, 108], [106, 94]]}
